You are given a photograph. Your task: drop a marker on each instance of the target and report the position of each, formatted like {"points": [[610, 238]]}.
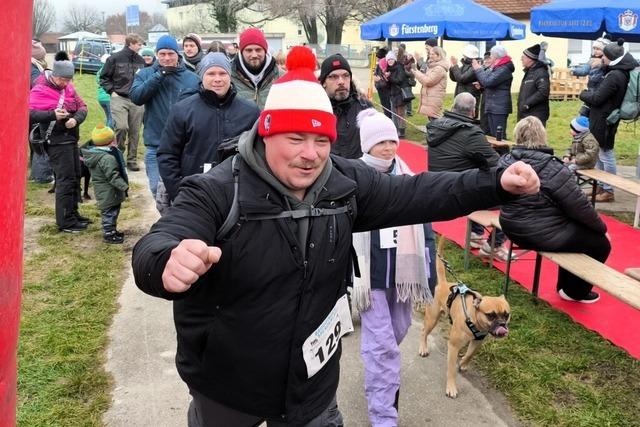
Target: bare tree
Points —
{"points": [[370, 9], [225, 13], [44, 16], [82, 18]]}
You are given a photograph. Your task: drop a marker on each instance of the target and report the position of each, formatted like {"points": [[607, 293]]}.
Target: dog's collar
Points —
{"points": [[462, 289]]}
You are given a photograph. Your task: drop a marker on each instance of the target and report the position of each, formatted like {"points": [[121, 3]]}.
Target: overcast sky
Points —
{"points": [[109, 7]]}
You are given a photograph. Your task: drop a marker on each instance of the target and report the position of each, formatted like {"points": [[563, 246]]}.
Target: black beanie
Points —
{"points": [[532, 52], [614, 51], [381, 52], [431, 42], [331, 63]]}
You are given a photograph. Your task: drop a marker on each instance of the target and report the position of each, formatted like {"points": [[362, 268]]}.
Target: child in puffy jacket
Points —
{"points": [[584, 149], [110, 182]]}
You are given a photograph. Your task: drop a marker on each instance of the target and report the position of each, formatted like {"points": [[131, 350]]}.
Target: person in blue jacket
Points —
{"points": [[158, 87], [197, 125]]}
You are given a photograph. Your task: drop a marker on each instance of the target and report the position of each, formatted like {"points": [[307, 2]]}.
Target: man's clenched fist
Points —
{"points": [[189, 260]]}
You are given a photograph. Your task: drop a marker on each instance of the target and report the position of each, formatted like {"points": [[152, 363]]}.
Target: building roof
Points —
{"points": [[158, 28], [82, 35], [50, 38], [518, 9]]}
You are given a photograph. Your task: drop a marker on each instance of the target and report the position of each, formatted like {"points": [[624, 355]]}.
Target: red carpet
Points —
{"points": [[609, 317]]}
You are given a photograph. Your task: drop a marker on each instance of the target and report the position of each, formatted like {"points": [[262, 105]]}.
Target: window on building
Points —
{"points": [[634, 49]]}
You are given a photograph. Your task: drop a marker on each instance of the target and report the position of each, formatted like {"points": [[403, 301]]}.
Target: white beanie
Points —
{"points": [[375, 127], [601, 43], [470, 51], [297, 102], [498, 51], [390, 55]]}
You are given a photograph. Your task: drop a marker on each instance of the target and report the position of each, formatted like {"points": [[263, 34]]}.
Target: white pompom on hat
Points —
{"points": [[297, 102], [375, 127]]}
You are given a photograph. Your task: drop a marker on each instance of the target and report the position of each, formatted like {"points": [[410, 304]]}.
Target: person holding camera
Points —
{"points": [[158, 87], [58, 110]]}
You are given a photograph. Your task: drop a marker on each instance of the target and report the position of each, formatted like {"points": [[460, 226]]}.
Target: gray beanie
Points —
{"points": [[62, 67], [615, 50], [214, 59]]}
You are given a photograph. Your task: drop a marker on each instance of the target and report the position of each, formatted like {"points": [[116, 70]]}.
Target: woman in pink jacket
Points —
{"points": [[57, 109], [434, 84]]}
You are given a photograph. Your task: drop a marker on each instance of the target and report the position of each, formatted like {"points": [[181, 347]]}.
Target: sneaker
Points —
{"points": [[75, 228], [84, 219], [500, 252], [133, 167], [113, 238], [477, 240], [605, 197], [589, 299]]}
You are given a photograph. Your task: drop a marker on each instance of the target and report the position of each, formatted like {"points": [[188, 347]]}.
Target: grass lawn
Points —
{"points": [[562, 112], [552, 370], [70, 288]]}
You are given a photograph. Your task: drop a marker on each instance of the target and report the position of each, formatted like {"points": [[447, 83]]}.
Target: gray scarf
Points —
{"points": [[251, 148], [256, 78]]}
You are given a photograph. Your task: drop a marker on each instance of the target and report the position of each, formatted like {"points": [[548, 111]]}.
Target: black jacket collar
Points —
{"points": [[211, 98]]}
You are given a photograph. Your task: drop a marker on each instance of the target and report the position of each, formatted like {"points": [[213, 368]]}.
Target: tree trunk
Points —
{"points": [[334, 30], [310, 25], [226, 18]]}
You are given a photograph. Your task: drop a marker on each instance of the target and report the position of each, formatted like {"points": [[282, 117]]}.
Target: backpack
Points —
{"points": [[630, 107], [234, 220]]}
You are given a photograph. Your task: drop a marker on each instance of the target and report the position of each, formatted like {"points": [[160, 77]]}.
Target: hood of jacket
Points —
{"points": [[93, 154], [627, 63], [537, 157], [439, 130], [441, 63]]}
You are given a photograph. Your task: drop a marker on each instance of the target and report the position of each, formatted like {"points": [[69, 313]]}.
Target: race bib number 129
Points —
{"points": [[323, 342]]}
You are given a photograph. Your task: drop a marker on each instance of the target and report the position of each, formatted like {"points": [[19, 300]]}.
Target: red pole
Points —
{"points": [[15, 29]]}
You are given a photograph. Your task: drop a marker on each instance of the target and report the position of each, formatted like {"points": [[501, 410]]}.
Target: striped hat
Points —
{"points": [[297, 102], [102, 135]]}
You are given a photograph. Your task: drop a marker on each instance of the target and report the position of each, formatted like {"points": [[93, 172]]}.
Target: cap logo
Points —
{"points": [[336, 63], [315, 123], [267, 122]]}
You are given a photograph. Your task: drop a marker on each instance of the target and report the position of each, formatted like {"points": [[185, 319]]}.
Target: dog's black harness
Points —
{"points": [[462, 290]]}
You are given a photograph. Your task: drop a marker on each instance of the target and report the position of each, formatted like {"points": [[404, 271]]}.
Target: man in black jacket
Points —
{"points": [[603, 100], [116, 79], [533, 98], [259, 332], [456, 143], [197, 125], [464, 75], [336, 78]]}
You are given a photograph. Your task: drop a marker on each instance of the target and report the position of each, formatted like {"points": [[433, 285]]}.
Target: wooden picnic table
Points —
{"points": [[499, 144]]}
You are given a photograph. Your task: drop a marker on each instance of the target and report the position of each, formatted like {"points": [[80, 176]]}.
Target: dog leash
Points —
{"points": [[462, 289]]}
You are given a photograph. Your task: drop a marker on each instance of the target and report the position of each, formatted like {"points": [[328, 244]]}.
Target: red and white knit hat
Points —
{"points": [[297, 102]]}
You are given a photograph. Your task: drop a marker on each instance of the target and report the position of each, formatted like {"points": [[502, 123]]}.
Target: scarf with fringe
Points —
{"points": [[412, 259]]}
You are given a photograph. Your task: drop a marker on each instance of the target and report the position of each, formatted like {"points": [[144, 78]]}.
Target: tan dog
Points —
{"points": [[488, 315]]}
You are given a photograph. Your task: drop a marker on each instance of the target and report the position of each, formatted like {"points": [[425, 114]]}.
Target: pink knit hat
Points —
{"points": [[375, 127]]}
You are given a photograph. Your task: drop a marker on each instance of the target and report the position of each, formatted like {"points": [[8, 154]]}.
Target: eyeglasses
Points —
{"points": [[336, 77]]}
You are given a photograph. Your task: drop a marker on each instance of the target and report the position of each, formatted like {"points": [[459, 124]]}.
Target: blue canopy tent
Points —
{"points": [[587, 19], [449, 19]]}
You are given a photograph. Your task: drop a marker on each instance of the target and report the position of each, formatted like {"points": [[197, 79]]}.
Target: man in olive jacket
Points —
{"points": [[533, 98], [116, 79], [254, 70], [260, 311]]}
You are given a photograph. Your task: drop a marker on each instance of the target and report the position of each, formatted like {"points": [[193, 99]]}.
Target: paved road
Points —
{"points": [[148, 391]]}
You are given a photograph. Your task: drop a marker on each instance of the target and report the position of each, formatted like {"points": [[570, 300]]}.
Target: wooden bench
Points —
{"points": [[613, 282], [633, 273], [593, 176], [499, 144], [565, 86], [486, 219]]}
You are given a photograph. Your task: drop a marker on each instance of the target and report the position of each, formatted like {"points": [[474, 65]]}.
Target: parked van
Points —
{"points": [[88, 53]]}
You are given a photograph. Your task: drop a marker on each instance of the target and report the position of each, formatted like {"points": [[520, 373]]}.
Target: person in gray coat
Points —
{"points": [[496, 82]]}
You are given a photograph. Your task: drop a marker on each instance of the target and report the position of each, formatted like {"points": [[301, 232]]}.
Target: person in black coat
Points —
{"points": [[464, 74], [399, 79], [259, 312], [198, 124], [607, 97], [559, 218], [336, 78], [533, 98], [496, 82], [380, 77]]}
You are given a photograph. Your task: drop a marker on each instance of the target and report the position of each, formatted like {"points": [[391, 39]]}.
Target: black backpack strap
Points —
{"points": [[234, 213]]}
